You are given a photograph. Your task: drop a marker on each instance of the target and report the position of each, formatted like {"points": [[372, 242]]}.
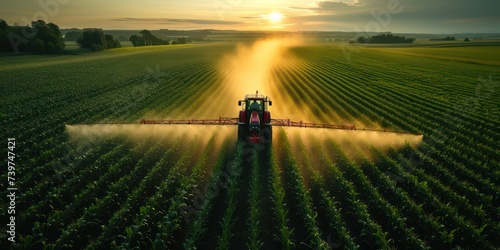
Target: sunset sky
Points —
{"points": [[422, 16]]}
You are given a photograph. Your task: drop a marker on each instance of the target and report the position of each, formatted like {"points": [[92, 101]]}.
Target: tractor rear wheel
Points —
{"points": [[266, 135], [241, 132]]}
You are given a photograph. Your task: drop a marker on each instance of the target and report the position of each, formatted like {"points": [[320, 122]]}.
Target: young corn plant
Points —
{"points": [[173, 220], [284, 233], [302, 198], [370, 231], [253, 220], [223, 241], [198, 227]]}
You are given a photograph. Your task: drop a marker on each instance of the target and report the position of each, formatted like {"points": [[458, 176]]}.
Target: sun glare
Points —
{"points": [[275, 17]]}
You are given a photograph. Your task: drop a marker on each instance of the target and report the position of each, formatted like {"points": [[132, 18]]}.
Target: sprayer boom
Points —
{"points": [[274, 122], [220, 121], [234, 121], [254, 121]]}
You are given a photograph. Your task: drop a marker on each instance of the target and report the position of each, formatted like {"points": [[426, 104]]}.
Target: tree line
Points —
{"points": [[148, 39], [385, 38], [448, 38], [95, 40], [46, 38], [40, 38]]}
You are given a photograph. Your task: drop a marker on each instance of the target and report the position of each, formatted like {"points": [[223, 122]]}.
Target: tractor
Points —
{"points": [[254, 121]]}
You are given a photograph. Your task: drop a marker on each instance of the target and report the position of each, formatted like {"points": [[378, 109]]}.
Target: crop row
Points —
{"points": [[165, 192]]}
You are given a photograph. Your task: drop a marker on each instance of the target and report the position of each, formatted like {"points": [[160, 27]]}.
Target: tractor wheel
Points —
{"points": [[266, 136], [241, 132]]}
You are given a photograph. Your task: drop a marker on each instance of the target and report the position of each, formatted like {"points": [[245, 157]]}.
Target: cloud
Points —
{"points": [[421, 15], [443, 8], [177, 21], [335, 6], [328, 6]]}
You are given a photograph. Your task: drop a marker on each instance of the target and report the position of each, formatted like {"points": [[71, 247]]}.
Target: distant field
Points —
{"points": [[126, 186], [483, 54]]}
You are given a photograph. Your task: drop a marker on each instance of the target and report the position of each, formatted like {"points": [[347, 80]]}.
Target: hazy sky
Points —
{"points": [[433, 16]]}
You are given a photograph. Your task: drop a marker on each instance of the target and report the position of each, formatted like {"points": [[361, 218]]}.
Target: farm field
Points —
{"points": [[461, 52], [185, 187]]}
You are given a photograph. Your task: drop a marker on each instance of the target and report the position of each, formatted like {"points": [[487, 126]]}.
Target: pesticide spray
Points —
{"points": [[245, 70], [193, 139]]}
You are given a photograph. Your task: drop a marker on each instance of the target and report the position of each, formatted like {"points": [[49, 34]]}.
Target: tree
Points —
{"points": [[49, 33], [12, 38], [466, 39], [38, 24], [55, 30], [146, 39], [54, 37], [51, 48], [3, 26], [361, 39], [95, 40], [92, 39], [181, 40], [45, 38], [147, 36], [73, 36], [117, 44], [110, 42], [37, 46], [135, 40], [448, 38], [4, 41], [385, 38]]}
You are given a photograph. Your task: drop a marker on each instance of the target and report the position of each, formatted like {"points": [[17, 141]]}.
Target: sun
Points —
{"points": [[275, 17]]}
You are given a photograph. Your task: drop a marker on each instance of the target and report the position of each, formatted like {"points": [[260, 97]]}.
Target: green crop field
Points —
{"points": [[138, 186]]}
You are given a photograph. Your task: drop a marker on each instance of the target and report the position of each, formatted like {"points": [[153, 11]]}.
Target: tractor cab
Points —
{"points": [[256, 105], [255, 118]]}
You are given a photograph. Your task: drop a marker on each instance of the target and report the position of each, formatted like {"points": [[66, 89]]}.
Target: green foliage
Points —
{"points": [[253, 220], [198, 229], [39, 38], [38, 46], [384, 38], [283, 233], [147, 39], [92, 39], [73, 36], [227, 222], [180, 40], [96, 40], [448, 38], [134, 190]]}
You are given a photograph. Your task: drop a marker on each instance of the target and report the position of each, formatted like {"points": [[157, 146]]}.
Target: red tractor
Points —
{"points": [[254, 121]]}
